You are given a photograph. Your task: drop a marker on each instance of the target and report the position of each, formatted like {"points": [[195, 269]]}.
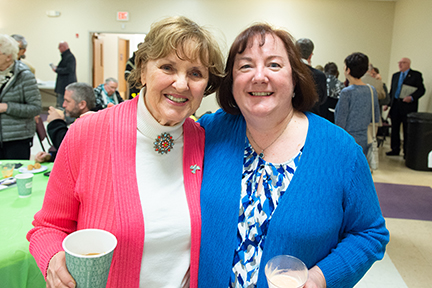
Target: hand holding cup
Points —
{"points": [[286, 271], [54, 114], [88, 256], [57, 272]]}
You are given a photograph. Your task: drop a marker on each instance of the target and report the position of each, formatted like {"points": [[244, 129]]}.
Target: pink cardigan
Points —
{"points": [[93, 184]]}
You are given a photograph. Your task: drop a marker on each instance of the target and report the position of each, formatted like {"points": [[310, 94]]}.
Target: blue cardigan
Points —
{"points": [[329, 216]]}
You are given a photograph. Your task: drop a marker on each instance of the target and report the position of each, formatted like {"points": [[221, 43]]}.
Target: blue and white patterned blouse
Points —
{"points": [[256, 211]]}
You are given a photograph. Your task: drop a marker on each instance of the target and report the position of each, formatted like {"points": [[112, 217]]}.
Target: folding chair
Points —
{"points": [[41, 132], [383, 132]]}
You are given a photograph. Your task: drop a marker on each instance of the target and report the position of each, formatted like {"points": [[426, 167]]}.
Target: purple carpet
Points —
{"points": [[405, 201]]}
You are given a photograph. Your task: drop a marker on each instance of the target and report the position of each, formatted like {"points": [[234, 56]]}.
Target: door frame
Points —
{"points": [[139, 37]]}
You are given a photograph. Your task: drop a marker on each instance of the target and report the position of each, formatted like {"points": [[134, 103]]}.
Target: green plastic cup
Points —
{"points": [[88, 256], [24, 184]]}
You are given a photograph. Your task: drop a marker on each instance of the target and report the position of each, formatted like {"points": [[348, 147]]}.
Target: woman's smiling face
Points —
{"points": [[262, 78], [174, 88]]}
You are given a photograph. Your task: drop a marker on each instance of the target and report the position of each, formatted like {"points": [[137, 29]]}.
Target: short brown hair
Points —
{"points": [[173, 34], [305, 93]]}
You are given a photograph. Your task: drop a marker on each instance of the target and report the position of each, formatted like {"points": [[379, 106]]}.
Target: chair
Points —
{"points": [[41, 132], [383, 132]]}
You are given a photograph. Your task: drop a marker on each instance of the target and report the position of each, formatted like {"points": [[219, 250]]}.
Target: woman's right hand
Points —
{"points": [[57, 274], [316, 278]]}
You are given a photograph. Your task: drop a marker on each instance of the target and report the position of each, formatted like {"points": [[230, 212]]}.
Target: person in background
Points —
{"points": [[66, 71], [320, 68], [107, 93], [266, 189], [376, 74], [78, 100], [402, 105], [334, 87], [383, 130], [130, 65], [22, 49], [20, 102], [306, 48], [369, 78], [354, 109], [135, 169]]}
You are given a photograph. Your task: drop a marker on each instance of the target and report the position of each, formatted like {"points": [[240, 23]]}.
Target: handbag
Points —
{"points": [[372, 155]]}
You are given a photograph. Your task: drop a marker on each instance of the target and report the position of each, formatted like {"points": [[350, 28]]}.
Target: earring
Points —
{"points": [[293, 95]]}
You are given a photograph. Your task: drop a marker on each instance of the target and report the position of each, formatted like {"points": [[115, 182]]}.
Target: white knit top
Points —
{"points": [[166, 256]]}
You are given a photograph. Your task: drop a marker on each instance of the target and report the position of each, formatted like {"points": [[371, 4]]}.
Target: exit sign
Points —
{"points": [[123, 16]]}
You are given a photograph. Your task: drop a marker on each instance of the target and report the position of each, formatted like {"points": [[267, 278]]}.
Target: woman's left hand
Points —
{"points": [[3, 107], [316, 278]]}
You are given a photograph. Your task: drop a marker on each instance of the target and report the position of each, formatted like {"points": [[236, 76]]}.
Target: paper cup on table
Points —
{"points": [[286, 271], [88, 256], [24, 183]]}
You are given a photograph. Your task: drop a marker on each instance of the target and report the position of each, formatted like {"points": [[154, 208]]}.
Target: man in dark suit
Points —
{"points": [[66, 72], [403, 104], [306, 47]]}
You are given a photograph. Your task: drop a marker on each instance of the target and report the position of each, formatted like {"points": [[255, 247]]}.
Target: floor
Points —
{"points": [[408, 259]]}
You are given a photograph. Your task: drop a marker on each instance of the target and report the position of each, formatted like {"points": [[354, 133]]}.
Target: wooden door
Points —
{"points": [[123, 56], [98, 67]]}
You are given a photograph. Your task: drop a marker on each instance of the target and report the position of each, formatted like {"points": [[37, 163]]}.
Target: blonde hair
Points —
{"points": [[188, 41]]}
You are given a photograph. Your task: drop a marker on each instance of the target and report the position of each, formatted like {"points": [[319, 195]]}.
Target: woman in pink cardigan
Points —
{"points": [[135, 169]]}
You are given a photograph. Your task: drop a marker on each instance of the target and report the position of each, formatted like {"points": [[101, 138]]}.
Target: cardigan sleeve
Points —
{"points": [[363, 235], [377, 111], [342, 108], [59, 213]]}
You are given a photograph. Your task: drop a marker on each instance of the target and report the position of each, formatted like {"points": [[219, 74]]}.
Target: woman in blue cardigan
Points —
{"points": [[280, 180]]}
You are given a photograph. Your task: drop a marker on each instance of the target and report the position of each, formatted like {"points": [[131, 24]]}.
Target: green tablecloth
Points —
{"points": [[18, 268]]}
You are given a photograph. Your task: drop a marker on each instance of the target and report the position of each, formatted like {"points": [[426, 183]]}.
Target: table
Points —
{"points": [[18, 268], [48, 96]]}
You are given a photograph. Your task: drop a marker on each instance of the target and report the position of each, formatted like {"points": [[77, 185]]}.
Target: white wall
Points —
{"points": [[337, 27], [412, 38]]}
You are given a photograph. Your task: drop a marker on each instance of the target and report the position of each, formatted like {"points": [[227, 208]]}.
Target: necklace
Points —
{"points": [[261, 155]]}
